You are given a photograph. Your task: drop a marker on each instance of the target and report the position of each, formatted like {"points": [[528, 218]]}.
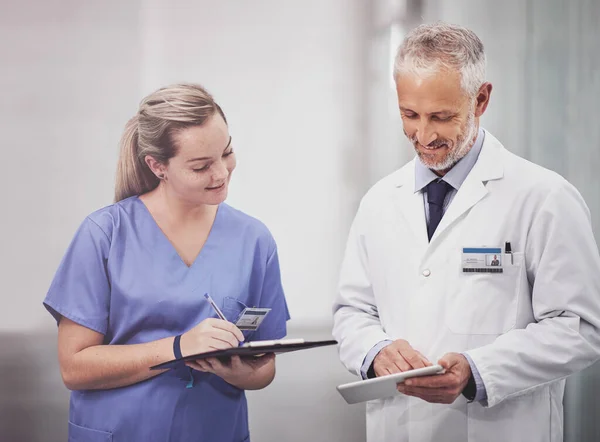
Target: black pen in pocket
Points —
{"points": [[508, 251]]}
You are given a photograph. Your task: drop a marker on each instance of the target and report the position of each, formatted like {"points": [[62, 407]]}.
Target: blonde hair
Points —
{"points": [[151, 131]]}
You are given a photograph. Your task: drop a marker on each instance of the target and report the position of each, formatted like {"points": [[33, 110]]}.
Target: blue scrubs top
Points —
{"points": [[123, 278]]}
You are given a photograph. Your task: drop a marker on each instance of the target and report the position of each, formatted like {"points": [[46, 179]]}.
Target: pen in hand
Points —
{"points": [[214, 306], [216, 309]]}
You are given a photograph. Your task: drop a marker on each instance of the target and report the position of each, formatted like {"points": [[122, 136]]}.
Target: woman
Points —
{"points": [[129, 292]]}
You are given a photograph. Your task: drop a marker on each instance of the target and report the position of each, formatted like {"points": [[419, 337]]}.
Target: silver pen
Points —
{"points": [[214, 306]]}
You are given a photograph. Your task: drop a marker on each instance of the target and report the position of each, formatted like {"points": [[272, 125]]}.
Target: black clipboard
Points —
{"points": [[249, 349]]}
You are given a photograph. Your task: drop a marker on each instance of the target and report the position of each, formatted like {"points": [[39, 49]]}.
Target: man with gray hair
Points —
{"points": [[417, 286]]}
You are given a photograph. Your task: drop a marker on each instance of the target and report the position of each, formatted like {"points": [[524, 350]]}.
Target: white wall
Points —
{"points": [[68, 80], [289, 75]]}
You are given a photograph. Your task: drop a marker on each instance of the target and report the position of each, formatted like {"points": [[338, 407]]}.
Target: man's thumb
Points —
{"points": [[448, 360]]}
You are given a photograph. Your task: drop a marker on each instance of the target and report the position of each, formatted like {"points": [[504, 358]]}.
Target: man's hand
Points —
{"points": [[441, 388], [397, 357]]}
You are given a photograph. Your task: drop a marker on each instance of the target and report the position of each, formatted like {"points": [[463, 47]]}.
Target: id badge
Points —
{"points": [[251, 318], [482, 260]]}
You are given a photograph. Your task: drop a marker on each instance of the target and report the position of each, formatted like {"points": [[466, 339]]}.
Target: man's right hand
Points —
{"points": [[397, 357]]}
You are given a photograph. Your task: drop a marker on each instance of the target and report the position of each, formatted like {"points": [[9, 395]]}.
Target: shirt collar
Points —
{"points": [[455, 176]]}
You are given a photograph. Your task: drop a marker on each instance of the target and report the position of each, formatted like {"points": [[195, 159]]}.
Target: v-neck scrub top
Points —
{"points": [[123, 278]]}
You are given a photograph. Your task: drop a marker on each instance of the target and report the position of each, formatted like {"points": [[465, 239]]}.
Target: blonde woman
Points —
{"points": [[128, 293]]}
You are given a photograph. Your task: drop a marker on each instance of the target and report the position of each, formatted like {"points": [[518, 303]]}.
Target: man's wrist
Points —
{"points": [[371, 371], [470, 389], [367, 370], [475, 390]]}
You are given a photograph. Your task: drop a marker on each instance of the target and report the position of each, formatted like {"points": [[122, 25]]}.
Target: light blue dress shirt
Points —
{"points": [[455, 177]]}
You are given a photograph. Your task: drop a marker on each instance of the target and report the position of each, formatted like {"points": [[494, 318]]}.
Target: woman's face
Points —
{"points": [[200, 171]]}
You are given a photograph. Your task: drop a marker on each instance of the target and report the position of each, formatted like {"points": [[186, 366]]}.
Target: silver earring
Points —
{"points": [[161, 177]]}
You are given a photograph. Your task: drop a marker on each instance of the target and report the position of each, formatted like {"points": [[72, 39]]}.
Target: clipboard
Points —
{"points": [[253, 348], [382, 386]]}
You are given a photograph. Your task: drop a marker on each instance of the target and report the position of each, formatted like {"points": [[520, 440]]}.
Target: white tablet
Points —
{"points": [[382, 386]]}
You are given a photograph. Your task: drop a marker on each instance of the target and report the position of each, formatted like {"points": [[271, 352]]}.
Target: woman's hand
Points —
{"points": [[248, 373], [209, 335]]}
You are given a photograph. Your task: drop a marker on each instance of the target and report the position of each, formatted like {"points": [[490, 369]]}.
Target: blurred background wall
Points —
{"points": [[307, 89]]}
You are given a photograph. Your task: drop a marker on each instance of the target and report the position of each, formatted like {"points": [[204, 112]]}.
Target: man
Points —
{"points": [[507, 340], [495, 261]]}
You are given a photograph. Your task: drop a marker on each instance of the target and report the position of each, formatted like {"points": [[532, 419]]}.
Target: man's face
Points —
{"points": [[439, 118]]}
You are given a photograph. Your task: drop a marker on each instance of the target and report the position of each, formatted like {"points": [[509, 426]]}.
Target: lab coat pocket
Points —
{"points": [[82, 434], [485, 303]]}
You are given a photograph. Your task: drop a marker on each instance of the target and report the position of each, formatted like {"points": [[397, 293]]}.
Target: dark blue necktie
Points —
{"points": [[436, 194]]}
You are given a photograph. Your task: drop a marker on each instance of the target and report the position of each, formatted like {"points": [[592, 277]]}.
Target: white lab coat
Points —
{"points": [[526, 329]]}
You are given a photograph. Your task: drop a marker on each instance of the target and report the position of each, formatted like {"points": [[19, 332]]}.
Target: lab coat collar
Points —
{"points": [[455, 176], [489, 166]]}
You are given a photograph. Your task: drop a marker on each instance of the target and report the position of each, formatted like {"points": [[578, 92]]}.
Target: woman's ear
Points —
{"points": [[157, 168]]}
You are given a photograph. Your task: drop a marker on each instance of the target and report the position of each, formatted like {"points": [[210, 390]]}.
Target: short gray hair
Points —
{"points": [[427, 48]]}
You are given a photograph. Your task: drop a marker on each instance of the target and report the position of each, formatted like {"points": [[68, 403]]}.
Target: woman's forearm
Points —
{"points": [[113, 366]]}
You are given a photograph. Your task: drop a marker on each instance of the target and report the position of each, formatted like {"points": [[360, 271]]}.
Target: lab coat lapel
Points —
{"points": [[409, 204], [489, 166]]}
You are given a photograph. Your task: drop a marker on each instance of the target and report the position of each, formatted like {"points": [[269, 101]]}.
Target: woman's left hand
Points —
{"points": [[246, 373]]}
